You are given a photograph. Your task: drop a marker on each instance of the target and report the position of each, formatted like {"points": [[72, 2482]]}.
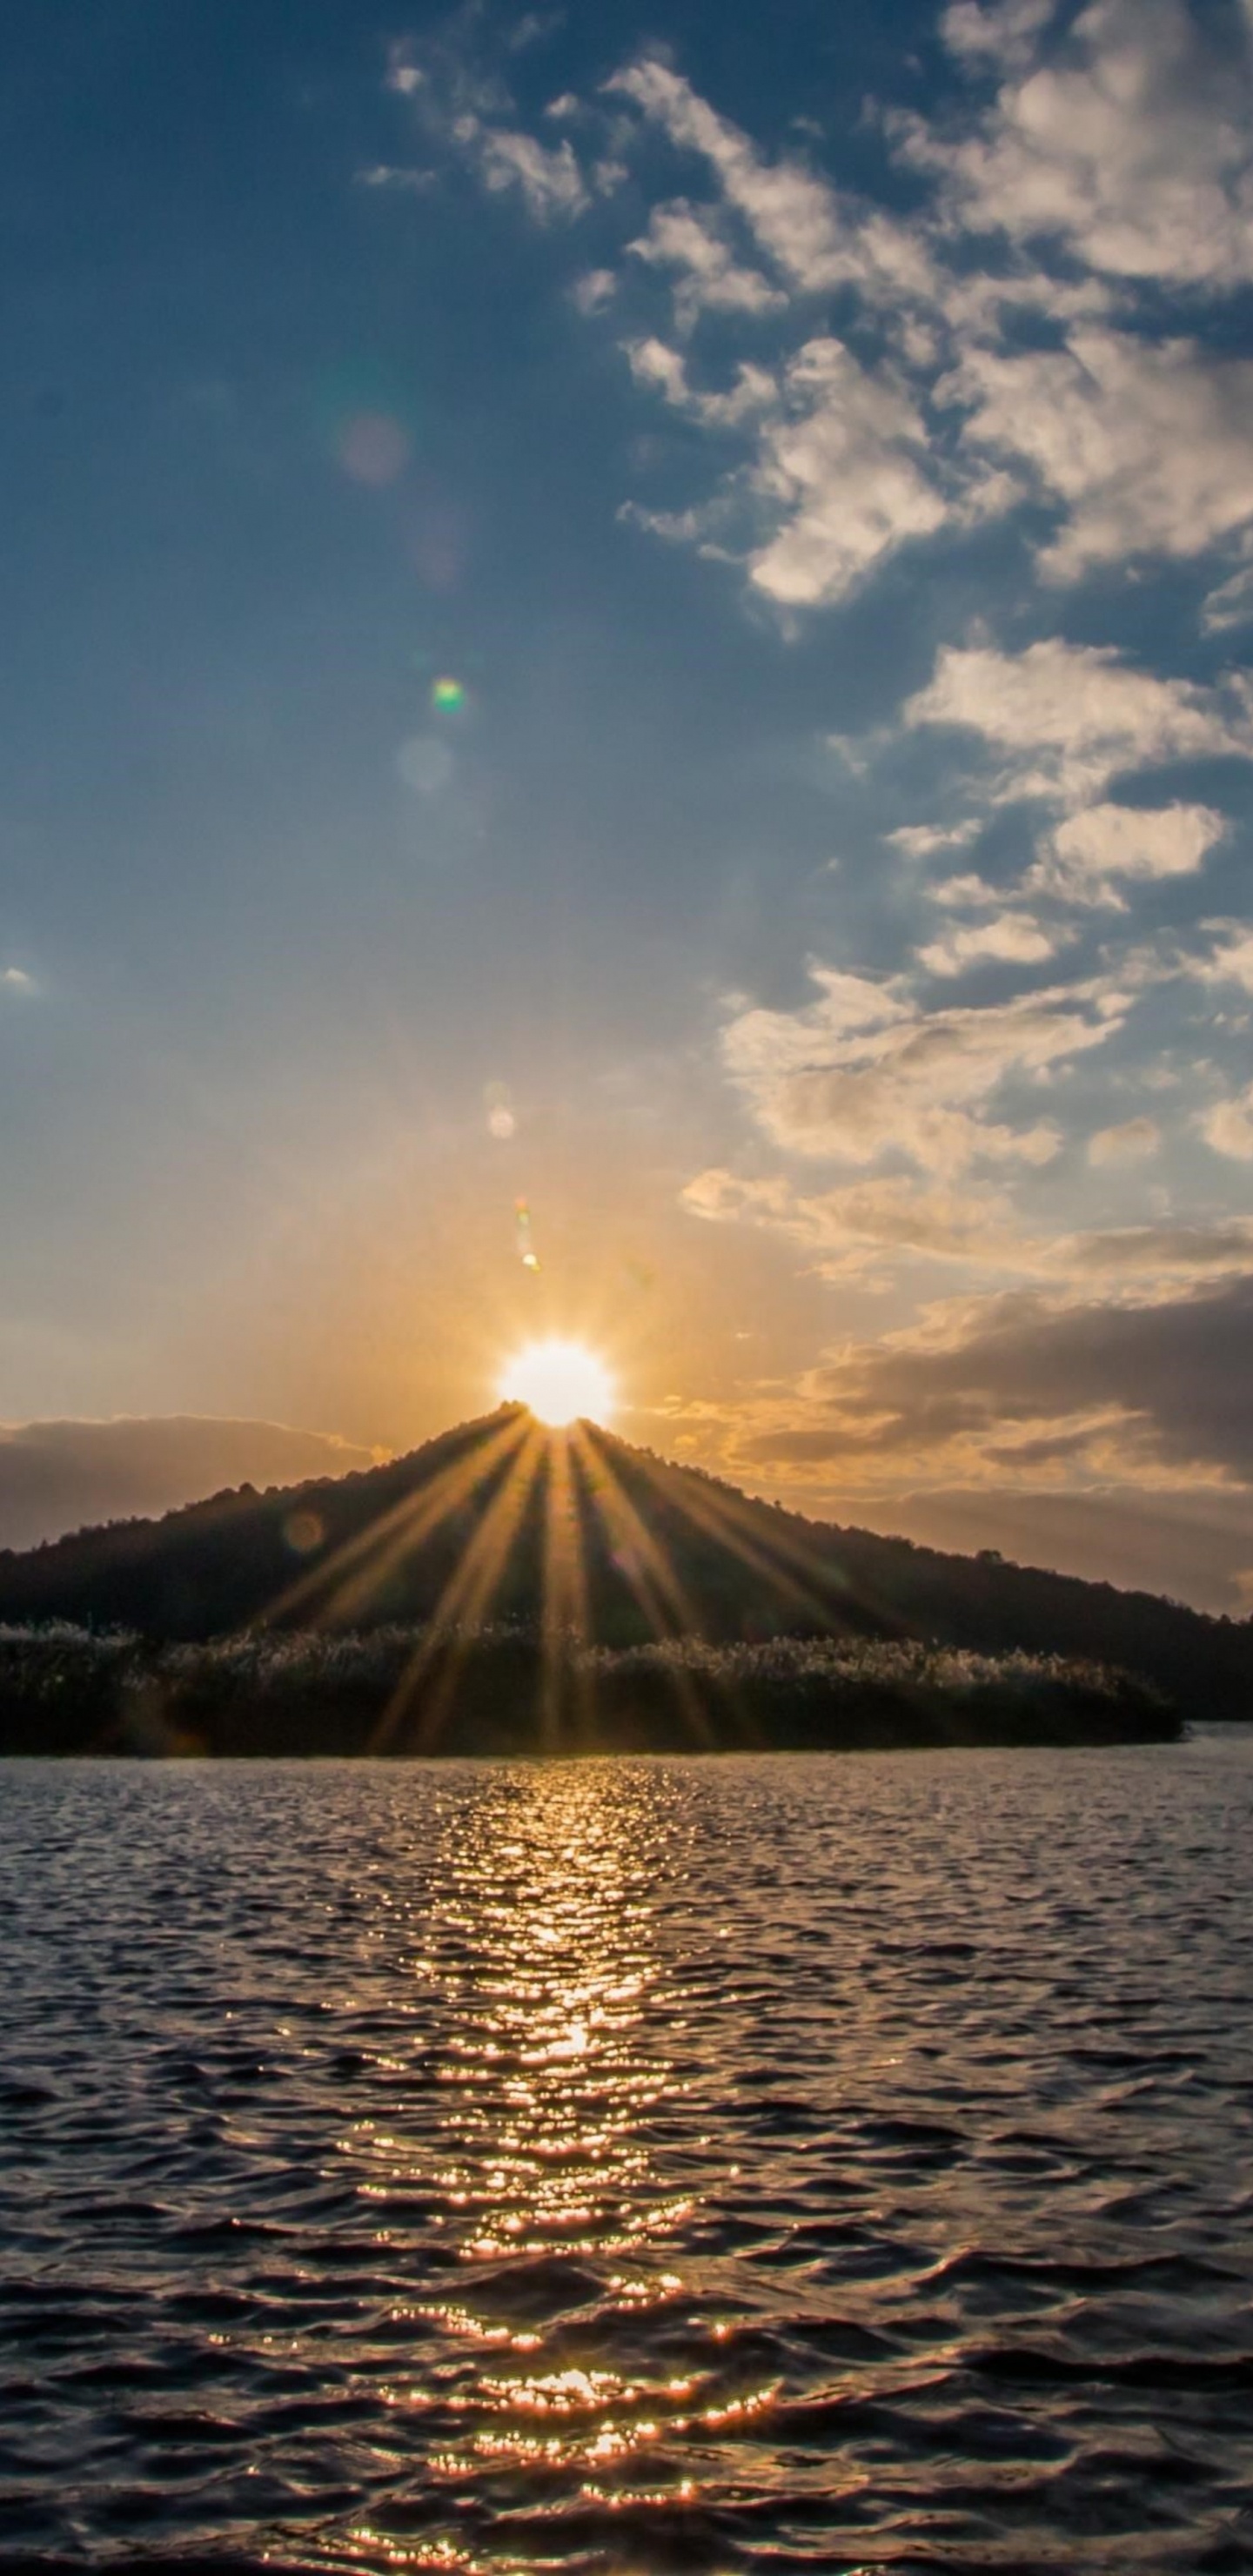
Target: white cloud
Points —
{"points": [[864, 1070], [1132, 1142], [843, 465], [14, 979], [1069, 717], [551, 181], [402, 181], [1232, 961], [1131, 149], [709, 278], [755, 390], [836, 478], [1231, 604], [594, 290], [1228, 1127], [1009, 938], [403, 74], [1081, 860], [1151, 446], [922, 840], [972, 894], [1004, 35], [816, 239]]}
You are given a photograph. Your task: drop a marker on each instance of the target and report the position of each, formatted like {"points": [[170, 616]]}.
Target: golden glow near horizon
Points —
{"points": [[559, 1382]]}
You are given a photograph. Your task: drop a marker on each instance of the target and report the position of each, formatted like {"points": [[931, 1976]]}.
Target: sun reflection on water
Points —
{"points": [[562, 2226]]}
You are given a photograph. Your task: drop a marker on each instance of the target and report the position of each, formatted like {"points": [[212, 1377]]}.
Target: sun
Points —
{"points": [[559, 1382]]}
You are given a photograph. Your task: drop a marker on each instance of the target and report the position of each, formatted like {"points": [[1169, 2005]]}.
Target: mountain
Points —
{"points": [[580, 1531]]}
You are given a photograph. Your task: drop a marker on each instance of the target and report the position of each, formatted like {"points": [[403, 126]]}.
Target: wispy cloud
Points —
{"points": [[865, 1069], [548, 178], [1132, 1141], [1017, 359], [1064, 719], [1227, 1126]]}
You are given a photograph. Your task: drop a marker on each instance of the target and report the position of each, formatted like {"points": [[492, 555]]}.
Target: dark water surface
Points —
{"points": [[764, 2163]]}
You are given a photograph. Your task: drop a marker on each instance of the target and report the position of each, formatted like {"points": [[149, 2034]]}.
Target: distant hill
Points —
{"points": [[466, 1527]]}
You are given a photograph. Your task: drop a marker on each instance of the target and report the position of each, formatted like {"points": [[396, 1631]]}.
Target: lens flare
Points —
{"points": [[524, 1236], [559, 1382], [448, 697], [373, 448], [425, 764]]}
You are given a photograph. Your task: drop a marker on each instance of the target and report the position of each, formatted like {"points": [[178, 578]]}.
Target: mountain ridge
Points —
{"points": [[662, 1547]]}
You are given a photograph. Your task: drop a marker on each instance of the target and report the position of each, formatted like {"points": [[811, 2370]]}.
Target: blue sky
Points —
{"points": [[648, 615]]}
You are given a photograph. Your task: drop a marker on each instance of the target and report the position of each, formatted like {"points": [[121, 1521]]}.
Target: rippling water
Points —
{"points": [[780, 2163]]}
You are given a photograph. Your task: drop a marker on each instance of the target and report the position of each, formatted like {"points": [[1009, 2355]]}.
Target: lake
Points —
{"points": [[776, 2162]]}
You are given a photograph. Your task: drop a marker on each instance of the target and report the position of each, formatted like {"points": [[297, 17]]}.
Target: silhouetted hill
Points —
{"points": [[467, 1527]]}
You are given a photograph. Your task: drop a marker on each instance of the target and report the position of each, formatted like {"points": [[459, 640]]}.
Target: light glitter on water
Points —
{"points": [[779, 2163]]}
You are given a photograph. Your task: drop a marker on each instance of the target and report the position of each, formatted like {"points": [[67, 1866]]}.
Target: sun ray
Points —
{"points": [[368, 1582], [643, 1566], [641, 1558], [756, 1553], [818, 1576], [359, 1567], [565, 1602], [465, 1597]]}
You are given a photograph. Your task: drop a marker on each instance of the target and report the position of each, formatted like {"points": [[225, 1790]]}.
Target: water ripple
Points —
{"points": [[764, 2164]]}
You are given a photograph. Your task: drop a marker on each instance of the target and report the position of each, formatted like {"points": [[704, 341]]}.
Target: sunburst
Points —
{"points": [[559, 1382], [556, 1457]]}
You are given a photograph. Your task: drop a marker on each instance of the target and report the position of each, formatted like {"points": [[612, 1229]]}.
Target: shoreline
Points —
{"points": [[394, 1693]]}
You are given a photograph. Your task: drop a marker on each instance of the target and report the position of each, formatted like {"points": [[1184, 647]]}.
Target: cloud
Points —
{"points": [[402, 181], [708, 277], [1082, 858], [1151, 447], [1152, 1253], [848, 1226], [404, 76], [1067, 718], [837, 476], [550, 180], [1004, 35], [1231, 962], [816, 239], [969, 894], [842, 465], [1228, 1127], [1231, 604], [58, 1476], [846, 1230], [922, 840], [594, 290], [1145, 1390], [1010, 938], [1130, 149], [1131, 1142], [14, 979], [865, 1070], [1127, 148]]}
